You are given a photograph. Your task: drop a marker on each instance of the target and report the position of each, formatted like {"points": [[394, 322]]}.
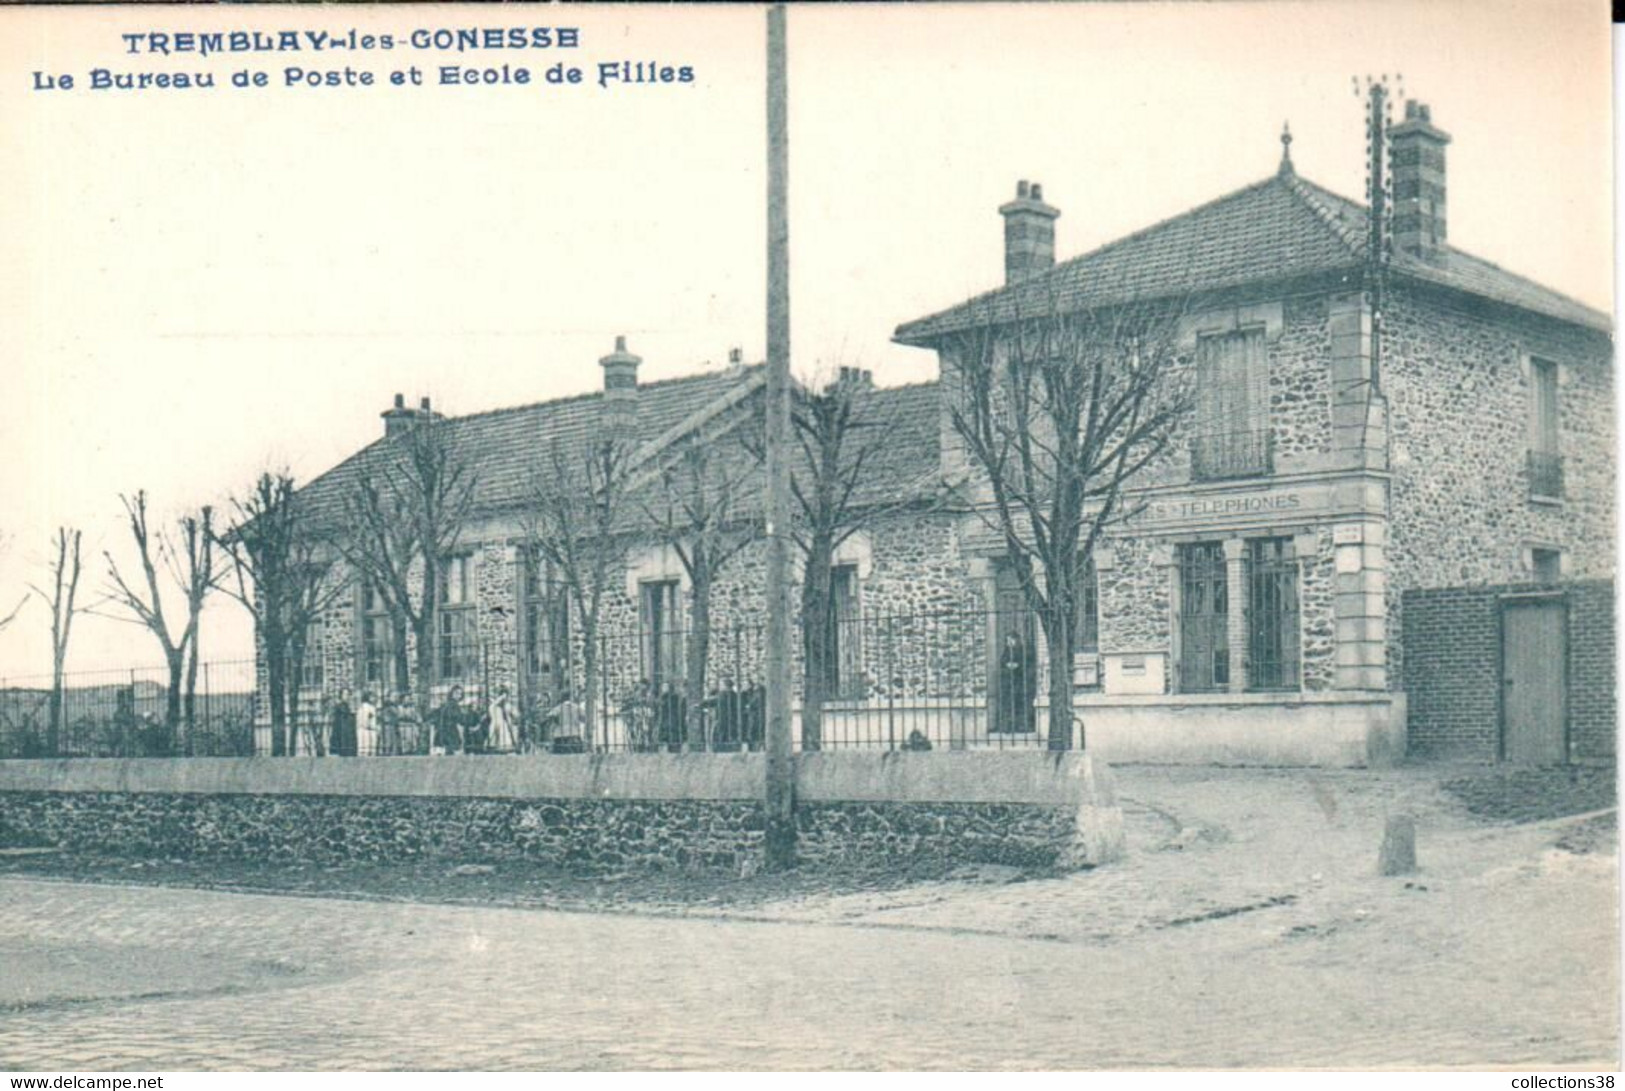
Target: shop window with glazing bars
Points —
{"points": [[1545, 462], [1231, 432], [1204, 614], [1273, 652], [661, 622], [456, 653]]}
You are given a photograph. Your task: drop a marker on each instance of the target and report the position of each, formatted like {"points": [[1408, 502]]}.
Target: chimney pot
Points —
{"points": [[620, 380], [400, 401], [423, 404], [1029, 233], [736, 355]]}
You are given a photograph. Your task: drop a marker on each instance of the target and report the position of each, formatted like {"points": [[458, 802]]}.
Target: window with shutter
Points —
{"points": [[1231, 437]]}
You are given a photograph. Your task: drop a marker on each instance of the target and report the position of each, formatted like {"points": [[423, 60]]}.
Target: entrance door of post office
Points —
{"points": [[1534, 682]]}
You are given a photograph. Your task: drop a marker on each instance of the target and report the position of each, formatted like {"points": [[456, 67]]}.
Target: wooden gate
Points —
{"points": [[1534, 681]]}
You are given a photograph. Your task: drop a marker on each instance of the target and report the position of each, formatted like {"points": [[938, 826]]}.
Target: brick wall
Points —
{"points": [[1452, 673]]}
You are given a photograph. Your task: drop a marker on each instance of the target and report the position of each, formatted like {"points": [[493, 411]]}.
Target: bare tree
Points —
{"points": [[576, 520], [5, 547], [704, 512], [191, 567], [62, 598], [408, 505], [1058, 412], [842, 431], [286, 575]]}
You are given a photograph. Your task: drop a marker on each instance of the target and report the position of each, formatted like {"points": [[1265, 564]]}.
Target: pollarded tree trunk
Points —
{"points": [[695, 656], [172, 700], [816, 622], [1059, 636], [276, 691], [401, 664]]}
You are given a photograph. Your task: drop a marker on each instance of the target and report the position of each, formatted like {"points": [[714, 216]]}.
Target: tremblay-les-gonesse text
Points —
{"points": [[441, 39]]}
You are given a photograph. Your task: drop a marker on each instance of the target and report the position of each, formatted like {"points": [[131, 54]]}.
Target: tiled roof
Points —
{"points": [[1281, 228], [904, 466], [505, 445]]}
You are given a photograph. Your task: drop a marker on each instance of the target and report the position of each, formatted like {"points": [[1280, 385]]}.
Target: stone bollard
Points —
{"points": [[1398, 855]]}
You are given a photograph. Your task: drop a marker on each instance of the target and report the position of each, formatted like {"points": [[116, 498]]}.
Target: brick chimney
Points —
{"points": [[397, 418], [1029, 233], [1416, 150], [621, 385]]}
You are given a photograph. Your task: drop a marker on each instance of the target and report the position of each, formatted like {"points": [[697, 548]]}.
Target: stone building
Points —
{"points": [[1250, 611]]}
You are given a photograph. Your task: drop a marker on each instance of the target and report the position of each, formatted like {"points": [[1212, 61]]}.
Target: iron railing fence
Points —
{"points": [[968, 678], [128, 713], [947, 679]]}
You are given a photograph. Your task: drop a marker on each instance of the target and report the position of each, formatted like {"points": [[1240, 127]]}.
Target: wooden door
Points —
{"points": [[1534, 669]]}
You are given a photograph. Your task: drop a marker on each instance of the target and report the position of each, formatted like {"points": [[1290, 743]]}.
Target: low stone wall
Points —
{"points": [[589, 812], [1330, 730]]}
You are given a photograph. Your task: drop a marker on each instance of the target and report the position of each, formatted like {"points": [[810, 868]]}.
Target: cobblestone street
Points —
{"points": [[1255, 936]]}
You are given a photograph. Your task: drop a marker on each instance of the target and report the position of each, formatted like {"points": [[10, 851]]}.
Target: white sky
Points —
{"points": [[197, 285]]}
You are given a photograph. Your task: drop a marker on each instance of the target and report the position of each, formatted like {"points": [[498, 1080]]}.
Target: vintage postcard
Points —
{"points": [[989, 536]]}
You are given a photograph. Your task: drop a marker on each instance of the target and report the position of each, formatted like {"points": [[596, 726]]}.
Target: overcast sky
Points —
{"points": [[201, 284]]}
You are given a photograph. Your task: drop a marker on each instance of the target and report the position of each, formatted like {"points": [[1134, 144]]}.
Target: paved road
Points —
{"points": [[133, 978]]}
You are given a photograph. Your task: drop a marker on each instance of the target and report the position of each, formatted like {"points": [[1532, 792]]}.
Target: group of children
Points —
{"points": [[730, 719], [392, 727]]}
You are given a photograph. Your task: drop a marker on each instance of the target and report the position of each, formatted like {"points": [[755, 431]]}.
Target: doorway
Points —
{"points": [[1534, 681]]}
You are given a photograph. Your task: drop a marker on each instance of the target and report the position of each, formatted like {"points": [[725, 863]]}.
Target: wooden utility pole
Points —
{"points": [[781, 822]]}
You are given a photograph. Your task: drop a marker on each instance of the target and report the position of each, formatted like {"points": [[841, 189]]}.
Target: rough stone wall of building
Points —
{"points": [[496, 579], [1453, 673], [1300, 381], [1134, 597], [1458, 395], [925, 626], [587, 835]]}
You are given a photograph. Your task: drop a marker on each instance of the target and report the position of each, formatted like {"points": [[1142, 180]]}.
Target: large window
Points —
{"points": [[842, 660], [1272, 614], [1231, 435], [458, 653], [545, 622], [660, 610], [1204, 616], [376, 631], [311, 675], [1087, 631], [1545, 461]]}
